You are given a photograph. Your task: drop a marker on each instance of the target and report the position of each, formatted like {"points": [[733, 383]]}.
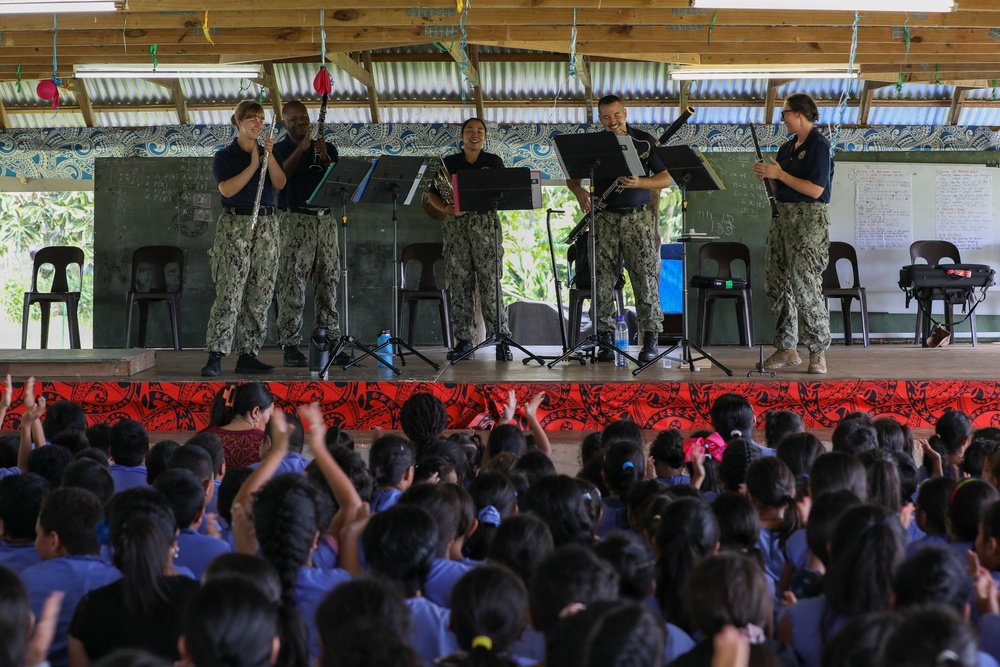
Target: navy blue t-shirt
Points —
{"points": [[631, 197], [230, 161], [810, 161], [457, 162], [300, 185]]}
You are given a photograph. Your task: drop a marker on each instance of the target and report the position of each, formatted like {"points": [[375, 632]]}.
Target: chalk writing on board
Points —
{"points": [[964, 208], [883, 208]]}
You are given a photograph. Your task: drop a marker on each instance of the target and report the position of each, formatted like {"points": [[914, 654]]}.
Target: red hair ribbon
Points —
{"points": [[713, 445]]}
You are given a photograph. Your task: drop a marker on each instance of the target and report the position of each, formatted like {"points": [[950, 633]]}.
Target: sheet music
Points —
{"points": [[416, 184], [883, 208], [964, 207], [631, 155]]}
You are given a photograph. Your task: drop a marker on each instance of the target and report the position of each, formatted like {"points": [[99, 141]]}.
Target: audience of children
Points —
{"points": [[477, 561]]}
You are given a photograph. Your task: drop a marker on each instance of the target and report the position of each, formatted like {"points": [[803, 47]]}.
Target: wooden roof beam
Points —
{"points": [[583, 73], [471, 73], [477, 88], [957, 99], [83, 100], [351, 67], [366, 58], [4, 118], [272, 80]]}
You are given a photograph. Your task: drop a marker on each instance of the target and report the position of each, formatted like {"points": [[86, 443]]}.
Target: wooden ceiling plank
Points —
{"points": [[477, 88], [351, 67], [372, 90]]}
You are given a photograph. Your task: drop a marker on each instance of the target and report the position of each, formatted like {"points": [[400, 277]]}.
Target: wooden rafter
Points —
{"points": [[83, 100], [477, 88], [351, 67], [366, 57], [955, 110], [583, 73]]}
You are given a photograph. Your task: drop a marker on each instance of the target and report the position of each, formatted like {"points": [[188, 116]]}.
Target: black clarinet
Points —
{"points": [[767, 181], [317, 164]]}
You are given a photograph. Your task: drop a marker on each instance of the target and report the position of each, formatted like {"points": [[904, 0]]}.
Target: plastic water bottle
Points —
{"points": [[621, 340], [385, 354], [319, 352]]}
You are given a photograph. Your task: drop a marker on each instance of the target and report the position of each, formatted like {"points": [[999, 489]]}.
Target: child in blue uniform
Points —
{"points": [[20, 500], [771, 489], [294, 461], [624, 466], [67, 544], [129, 446], [966, 508], [187, 498], [391, 462], [667, 455]]}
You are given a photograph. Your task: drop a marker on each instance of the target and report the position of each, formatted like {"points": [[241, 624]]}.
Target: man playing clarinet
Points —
{"points": [[309, 248], [628, 229]]}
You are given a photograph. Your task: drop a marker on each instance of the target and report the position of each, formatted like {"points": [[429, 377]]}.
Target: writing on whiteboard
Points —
{"points": [[883, 208], [964, 207]]}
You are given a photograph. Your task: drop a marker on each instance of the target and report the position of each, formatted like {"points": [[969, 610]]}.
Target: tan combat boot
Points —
{"points": [[817, 363], [781, 359]]}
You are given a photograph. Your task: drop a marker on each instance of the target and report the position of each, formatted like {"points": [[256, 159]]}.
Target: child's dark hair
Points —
{"points": [[624, 466], [489, 601], [92, 476], [423, 418], [506, 438], [639, 497], [854, 436], [893, 436], [623, 429], [632, 561], [739, 525], [337, 437], [608, 633], [589, 447], [536, 463], [967, 505], [73, 514], [933, 636], [781, 423], [521, 543], [129, 442], [94, 454], [389, 459], [211, 443], [358, 603], [195, 460], [933, 500], [158, 458], [229, 623], [882, 475], [99, 437], [74, 439], [933, 575], [452, 451], [559, 502], [799, 451], [228, 488], [668, 448], [728, 589], [823, 518], [686, 533], [866, 547], [63, 416], [428, 466], [836, 471], [736, 460], [400, 546], [495, 499], [296, 434], [368, 645], [771, 484], [991, 522], [50, 462], [951, 431], [185, 493], [909, 476], [441, 508], [861, 641], [465, 508], [472, 445], [733, 417], [20, 500], [249, 395], [572, 574], [15, 618], [592, 501], [9, 445], [142, 529], [354, 467]]}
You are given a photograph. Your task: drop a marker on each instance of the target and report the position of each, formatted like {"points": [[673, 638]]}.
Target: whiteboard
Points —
{"points": [[879, 268]]}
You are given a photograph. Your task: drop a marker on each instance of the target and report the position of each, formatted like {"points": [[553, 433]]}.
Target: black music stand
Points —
{"points": [[558, 286], [393, 176], [690, 172], [583, 156], [489, 191], [338, 186]]}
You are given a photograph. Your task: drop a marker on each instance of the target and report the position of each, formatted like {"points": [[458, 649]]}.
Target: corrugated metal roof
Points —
{"points": [[908, 115], [914, 91], [988, 116]]}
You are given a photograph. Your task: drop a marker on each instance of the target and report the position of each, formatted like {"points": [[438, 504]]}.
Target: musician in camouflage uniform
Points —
{"points": [[244, 256], [469, 250], [798, 242], [627, 229], [309, 250]]}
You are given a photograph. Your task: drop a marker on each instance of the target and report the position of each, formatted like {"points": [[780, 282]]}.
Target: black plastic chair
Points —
{"points": [[933, 251], [60, 258], [427, 288], [834, 289], [157, 277], [725, 254], [577, 295]]}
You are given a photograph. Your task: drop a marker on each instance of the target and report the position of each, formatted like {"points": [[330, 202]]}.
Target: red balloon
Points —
{"points": [[46, 89]]}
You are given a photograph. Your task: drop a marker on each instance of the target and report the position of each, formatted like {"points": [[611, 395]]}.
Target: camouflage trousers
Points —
{"points": [[244, 264], [309, 252], [469, 261], [634, 237], [798, 248]]}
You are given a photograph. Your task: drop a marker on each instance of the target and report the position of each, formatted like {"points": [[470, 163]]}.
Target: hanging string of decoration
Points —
{"points": [[49, 88], [205, 30], [572, 47], [848, 89], [463, 45]]}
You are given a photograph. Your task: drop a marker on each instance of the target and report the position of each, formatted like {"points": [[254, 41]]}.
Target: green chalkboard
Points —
{"points": [[175, 201]]}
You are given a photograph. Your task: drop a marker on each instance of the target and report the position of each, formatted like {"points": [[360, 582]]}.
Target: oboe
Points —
{"points": [[317, 164], [767, 181], [260, 183]]}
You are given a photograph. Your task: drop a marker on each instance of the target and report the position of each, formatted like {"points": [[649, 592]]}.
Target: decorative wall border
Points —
{"points": [[68, 153]]}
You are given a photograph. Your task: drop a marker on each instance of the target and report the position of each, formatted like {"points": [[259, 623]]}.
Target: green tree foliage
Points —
{"points": [[33, 220], [527, 259]]}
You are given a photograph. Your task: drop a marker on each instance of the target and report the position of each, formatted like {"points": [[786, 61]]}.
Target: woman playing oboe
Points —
{"points": [[244, 256], [798, 242]]}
